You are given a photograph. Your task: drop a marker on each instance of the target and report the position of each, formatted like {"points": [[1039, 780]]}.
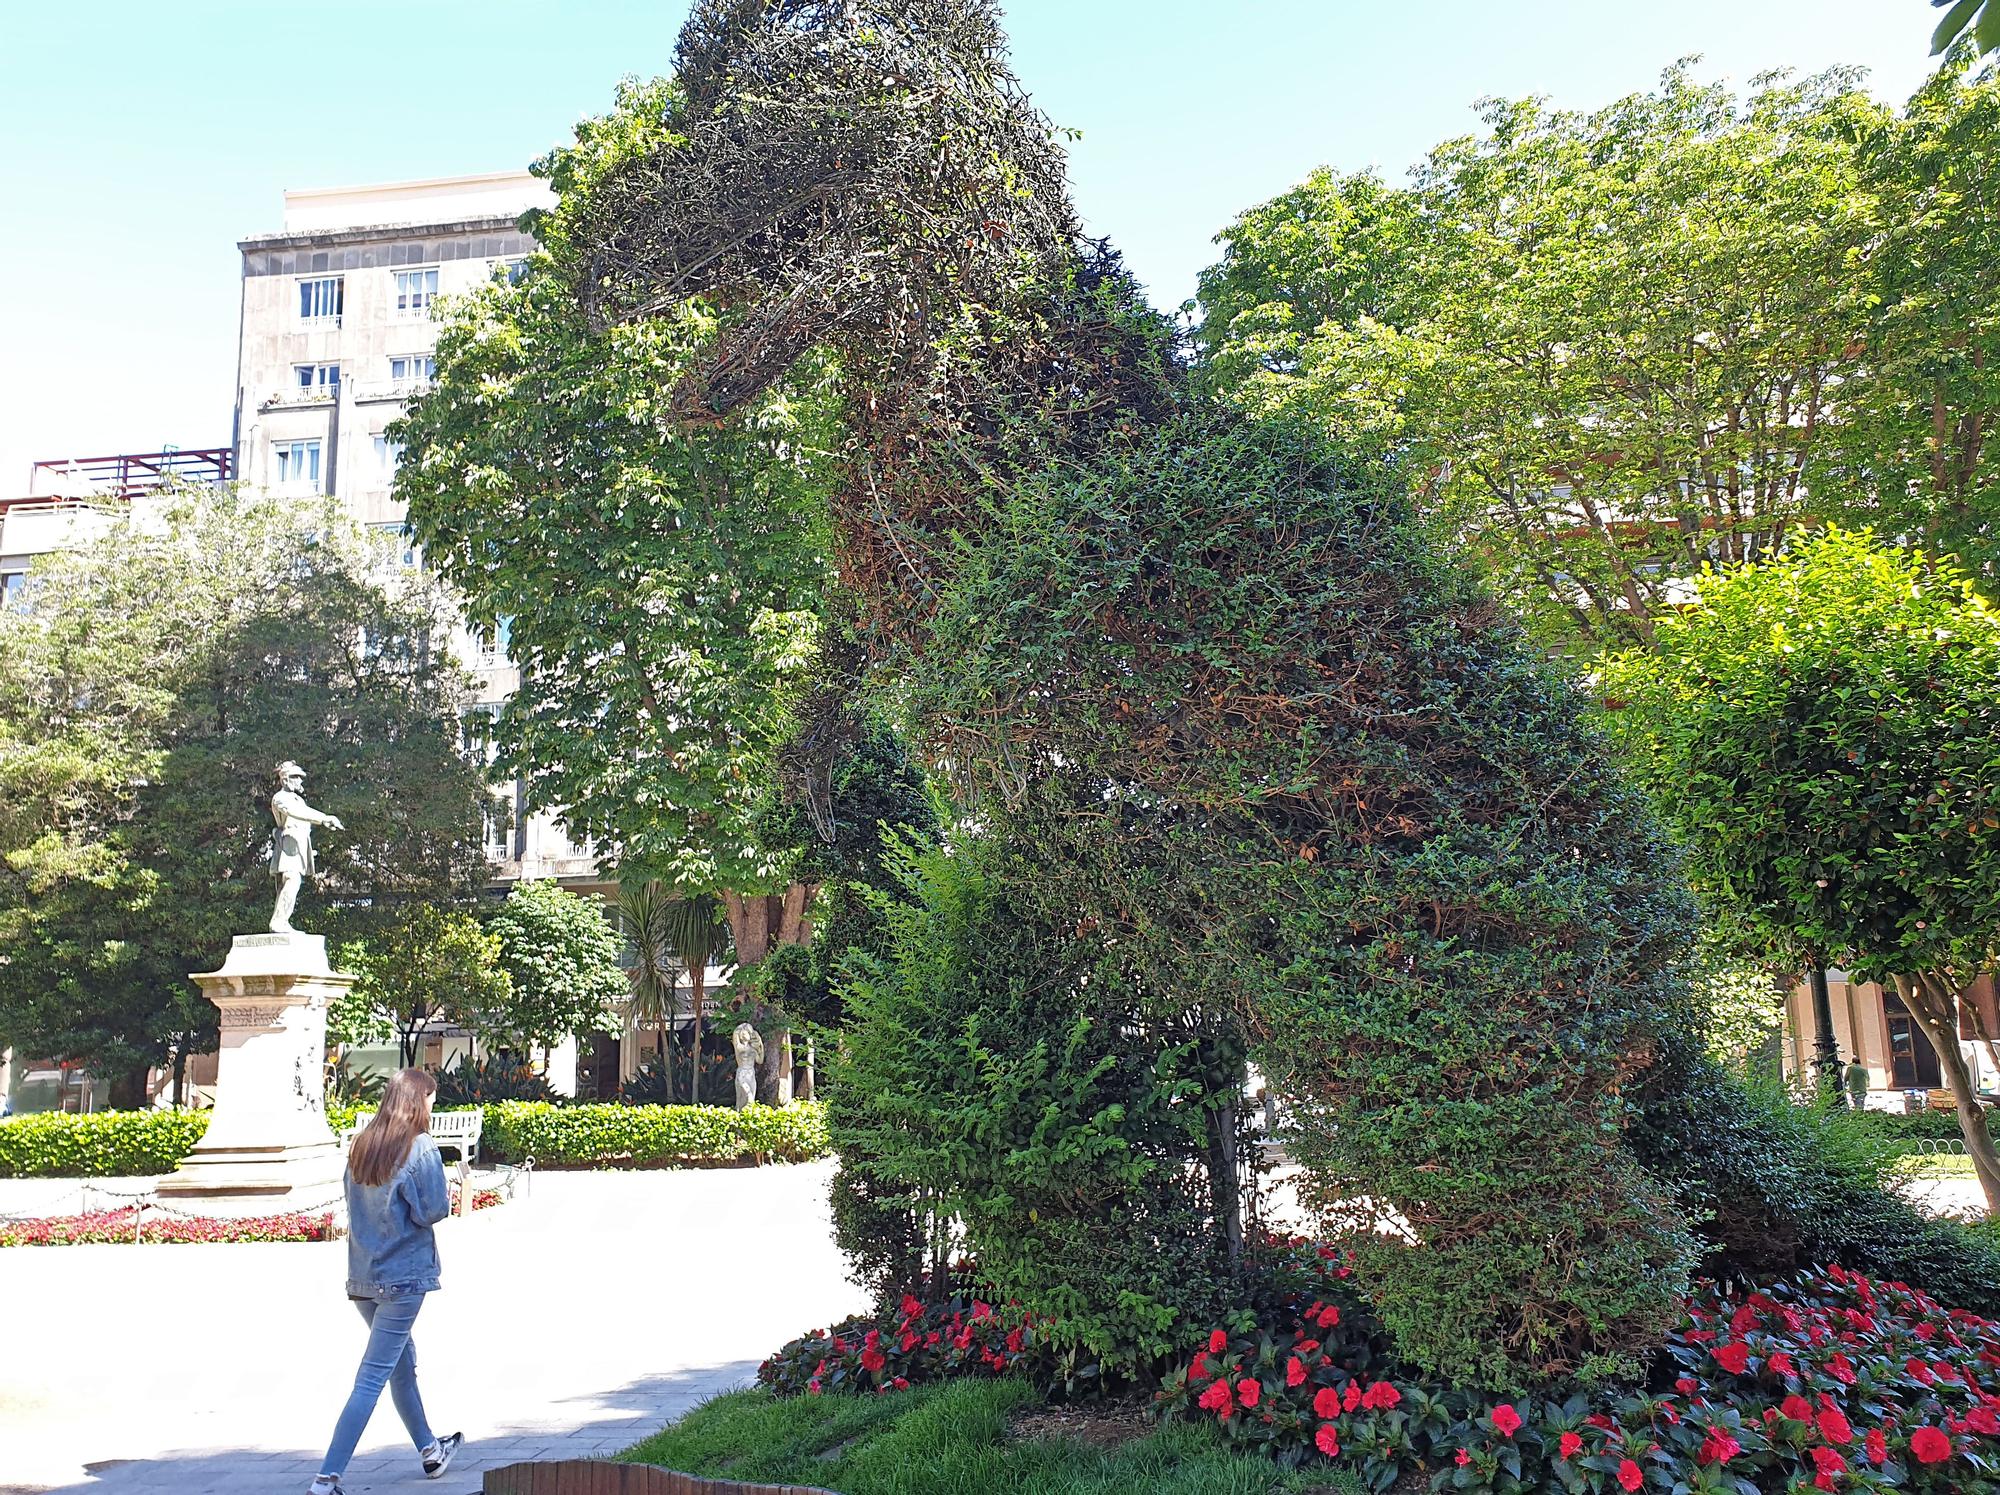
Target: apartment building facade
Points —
{"points": [[337, 336]]}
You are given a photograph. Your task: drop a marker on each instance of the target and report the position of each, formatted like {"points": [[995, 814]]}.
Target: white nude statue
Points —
{"points": [[291, 841], [749, 1044]]}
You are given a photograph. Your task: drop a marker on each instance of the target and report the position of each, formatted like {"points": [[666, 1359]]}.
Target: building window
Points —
{"points": [[406, 552], [491, 642], [296, 462], [1913, 1063], [388, 456], [316, 378], [511, 270], [322, 299], [418, 368], [13, 590], [415, 291]]}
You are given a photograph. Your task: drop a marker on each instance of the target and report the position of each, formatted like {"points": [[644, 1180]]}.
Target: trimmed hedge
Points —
{"points": [[99, 1144], [111, 1144], [641, 1135]]}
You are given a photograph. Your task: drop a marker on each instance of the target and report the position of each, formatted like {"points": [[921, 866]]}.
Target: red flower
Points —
{"points": [[1841, 1369], [1598, 1420], [1327, 1440], [1248, 1390], [1326, 1402], [981, 1310], [1834, 1426], [1733, 1357], [900, 1384], [1329, 1316], [1828, 1462], [1506, 1421], [1797, 1408], [873, 1360], [1216, 1399], [1295, 1372], [1687, 1385], [1464, 1458], [1718, 1448], [1983, 1419], [1199, 1370], [911, 1307], [1309, 1347], [1569, 1446], [1380, 1397], [1351, 1397], [1877, 1446], [1781, 1364], [1630, 1475], [1217, 1342], [1930, 1446]]}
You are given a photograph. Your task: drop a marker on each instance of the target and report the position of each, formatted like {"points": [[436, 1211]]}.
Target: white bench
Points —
{"points": [[451, 1130]]}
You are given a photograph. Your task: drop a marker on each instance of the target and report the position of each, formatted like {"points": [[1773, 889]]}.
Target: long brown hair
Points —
{"points": [[405, 1114]]}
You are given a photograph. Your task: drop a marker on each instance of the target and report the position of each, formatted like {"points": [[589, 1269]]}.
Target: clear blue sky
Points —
{"points": [[139, 139]]}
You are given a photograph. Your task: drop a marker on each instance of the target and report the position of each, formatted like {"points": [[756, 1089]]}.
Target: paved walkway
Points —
{"points": [[573, 1322]]}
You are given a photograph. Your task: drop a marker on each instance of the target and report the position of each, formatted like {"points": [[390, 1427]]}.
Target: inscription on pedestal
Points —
{"points": [[255, 1015]]}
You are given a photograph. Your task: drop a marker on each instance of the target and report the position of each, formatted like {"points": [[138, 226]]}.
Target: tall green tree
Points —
{"points": [[1916, 435], [654, 974], [425, 966], [561, 954], [1609, 346], [662, 585], [1821, 729], [149, 686]]}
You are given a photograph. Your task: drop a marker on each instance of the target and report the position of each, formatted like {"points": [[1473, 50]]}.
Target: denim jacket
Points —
{"points": [[391, 1249]]}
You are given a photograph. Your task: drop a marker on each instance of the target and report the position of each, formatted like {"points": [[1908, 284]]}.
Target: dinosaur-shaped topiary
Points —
{"points": [[1235, 714]]}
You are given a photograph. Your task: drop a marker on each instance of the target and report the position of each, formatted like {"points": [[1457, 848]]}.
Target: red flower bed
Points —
{"points": [[920, 1342], [1828, 1381], [115, 1227]]}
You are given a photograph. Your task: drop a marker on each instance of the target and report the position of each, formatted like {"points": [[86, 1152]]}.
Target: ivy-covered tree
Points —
{"points": [[561, 956], [662, 584], [149, 685], [1822, 730]]}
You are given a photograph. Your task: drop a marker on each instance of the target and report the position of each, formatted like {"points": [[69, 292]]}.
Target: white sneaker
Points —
{"points": [[438, 1457]]}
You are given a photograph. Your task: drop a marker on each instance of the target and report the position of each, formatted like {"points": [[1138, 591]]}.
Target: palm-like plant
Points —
{"points": [[643, 909], [696, 932]]}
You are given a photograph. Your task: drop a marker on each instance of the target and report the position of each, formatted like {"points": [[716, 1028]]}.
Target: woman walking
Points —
{"points": [[395, 1193]]}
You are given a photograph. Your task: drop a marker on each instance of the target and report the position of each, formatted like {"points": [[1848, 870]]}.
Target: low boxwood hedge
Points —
{"points": [[651, 1135], [99, 1144], [109, 1144]]}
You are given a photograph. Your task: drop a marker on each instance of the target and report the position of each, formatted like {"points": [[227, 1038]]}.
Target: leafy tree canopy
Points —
{"points": [[561, 954], [428, 965], [662, 584], [1612, 347], [1821, 728]]}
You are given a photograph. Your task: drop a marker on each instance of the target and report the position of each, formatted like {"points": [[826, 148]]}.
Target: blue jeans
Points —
{"points": [[390, 1359]]}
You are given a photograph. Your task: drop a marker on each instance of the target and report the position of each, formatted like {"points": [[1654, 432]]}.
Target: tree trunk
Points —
{"points": [[660, 1056], [180, 1072], [697, 989], [1225, 1183], [128, 1089], [758, 923], [1933, 1004]]}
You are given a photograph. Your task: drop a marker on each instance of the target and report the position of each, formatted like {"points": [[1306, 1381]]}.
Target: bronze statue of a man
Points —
{"points": [[291, 841]]}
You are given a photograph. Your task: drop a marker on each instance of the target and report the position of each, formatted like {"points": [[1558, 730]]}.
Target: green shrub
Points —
{"points": [[1008, 1078], [100, 1144], [642, 1135], [1778, 1187], [479, 1082]]}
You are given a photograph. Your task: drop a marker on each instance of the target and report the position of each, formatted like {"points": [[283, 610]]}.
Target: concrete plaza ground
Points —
{"points": [[573, 1321]]}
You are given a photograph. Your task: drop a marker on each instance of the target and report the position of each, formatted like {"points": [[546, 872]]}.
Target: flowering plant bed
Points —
{"points": [[121, 1226], [918, 1344], [1825, 1381]]}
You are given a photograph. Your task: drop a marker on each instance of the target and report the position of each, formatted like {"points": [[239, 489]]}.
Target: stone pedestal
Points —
{"points": [[268, 1144]]}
